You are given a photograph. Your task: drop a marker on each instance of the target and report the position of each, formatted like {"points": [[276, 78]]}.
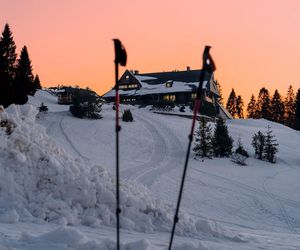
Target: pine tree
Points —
{"points": [[231, 103], [24, 78], [251, 108], [270, 148], [222, 142], [277, 108], [289, 104], [203, 140], [36, 83], [263, 104], [127, 116], [7, 66], [297, 112], [258, 143], [239, 107]]}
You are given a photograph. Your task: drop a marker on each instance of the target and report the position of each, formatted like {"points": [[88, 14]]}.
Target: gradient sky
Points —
{"points": [[255, 42]]}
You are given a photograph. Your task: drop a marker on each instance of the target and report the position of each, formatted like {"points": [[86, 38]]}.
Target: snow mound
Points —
{"points": [[189, 246], [70, 238], [39, 180], [49, 99], [10, 217]]}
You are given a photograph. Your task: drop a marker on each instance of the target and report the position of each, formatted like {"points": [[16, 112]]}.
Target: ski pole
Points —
{"points": [[120, 58], [208, 66]]}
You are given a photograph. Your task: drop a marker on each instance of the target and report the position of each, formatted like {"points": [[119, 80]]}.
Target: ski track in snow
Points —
{"points": [[277, 200], [288, 219], [68, 138], [166, 154], [56, 129]]}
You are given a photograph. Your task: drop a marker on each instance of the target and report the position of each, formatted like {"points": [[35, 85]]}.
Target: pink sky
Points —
{"points": [[255, 43]]}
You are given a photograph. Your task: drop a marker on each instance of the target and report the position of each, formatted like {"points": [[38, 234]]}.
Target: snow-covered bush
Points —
{"points": [[163, 106], [240, 154], [43, 108]]}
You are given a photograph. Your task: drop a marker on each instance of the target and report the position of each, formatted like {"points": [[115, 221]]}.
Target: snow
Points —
{"points": [[57, 184], [147, 89], [41, 177]]}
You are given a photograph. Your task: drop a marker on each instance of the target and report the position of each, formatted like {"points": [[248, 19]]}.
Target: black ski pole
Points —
{"points": [[120, 58], [209, 67]]}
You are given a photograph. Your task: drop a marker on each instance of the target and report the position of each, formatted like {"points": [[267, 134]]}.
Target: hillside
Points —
{"points": [[59, 169]]}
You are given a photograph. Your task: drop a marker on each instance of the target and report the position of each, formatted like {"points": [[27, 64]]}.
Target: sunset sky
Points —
{"points": [[254, 43]]}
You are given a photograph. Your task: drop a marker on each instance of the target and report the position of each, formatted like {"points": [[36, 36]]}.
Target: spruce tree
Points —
{"points": [[7, 66], [24, 78], [263, 104], [297, 112], [239, 107], [258, 143], [270, 148], [277, 108], [36, 84], [289, 104], [231, 104], [222, 142], [251, 108], [203, 140]]}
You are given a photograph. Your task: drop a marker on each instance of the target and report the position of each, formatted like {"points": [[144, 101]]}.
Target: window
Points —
{"points": [[193, 96], [169, 98], [169, 84], [127, 77]]}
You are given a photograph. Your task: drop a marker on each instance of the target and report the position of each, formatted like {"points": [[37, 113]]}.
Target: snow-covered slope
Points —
{"points": [[59, 168]]}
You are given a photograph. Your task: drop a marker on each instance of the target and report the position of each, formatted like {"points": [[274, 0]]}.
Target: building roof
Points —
{"points": [[179, 76], [154, 83]]}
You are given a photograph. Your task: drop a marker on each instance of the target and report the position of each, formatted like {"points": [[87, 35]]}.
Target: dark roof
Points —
{"points": [[128, 77], [179, 76]]}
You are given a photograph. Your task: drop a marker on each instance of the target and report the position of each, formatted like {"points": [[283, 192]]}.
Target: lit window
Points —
{"points": [[127, 77], [170, 98], [193, 96], [169, 84]]}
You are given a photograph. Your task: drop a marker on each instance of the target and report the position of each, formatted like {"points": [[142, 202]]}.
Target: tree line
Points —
{"points": [[274, 108], [16, 77], [219, 143]]}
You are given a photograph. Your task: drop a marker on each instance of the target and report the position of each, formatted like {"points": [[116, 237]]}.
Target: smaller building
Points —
{"points": [[65, 98], [65, 95]]}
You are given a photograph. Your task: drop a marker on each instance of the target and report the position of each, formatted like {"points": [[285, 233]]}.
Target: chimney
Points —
{"points": [[188, 68]]}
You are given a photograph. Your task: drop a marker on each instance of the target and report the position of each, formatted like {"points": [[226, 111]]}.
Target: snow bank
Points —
{"points": [[40, 181], [70, 238], [190, 246]]}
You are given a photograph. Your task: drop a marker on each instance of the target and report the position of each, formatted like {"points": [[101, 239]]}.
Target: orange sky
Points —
{"points": [[255, 42]]}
